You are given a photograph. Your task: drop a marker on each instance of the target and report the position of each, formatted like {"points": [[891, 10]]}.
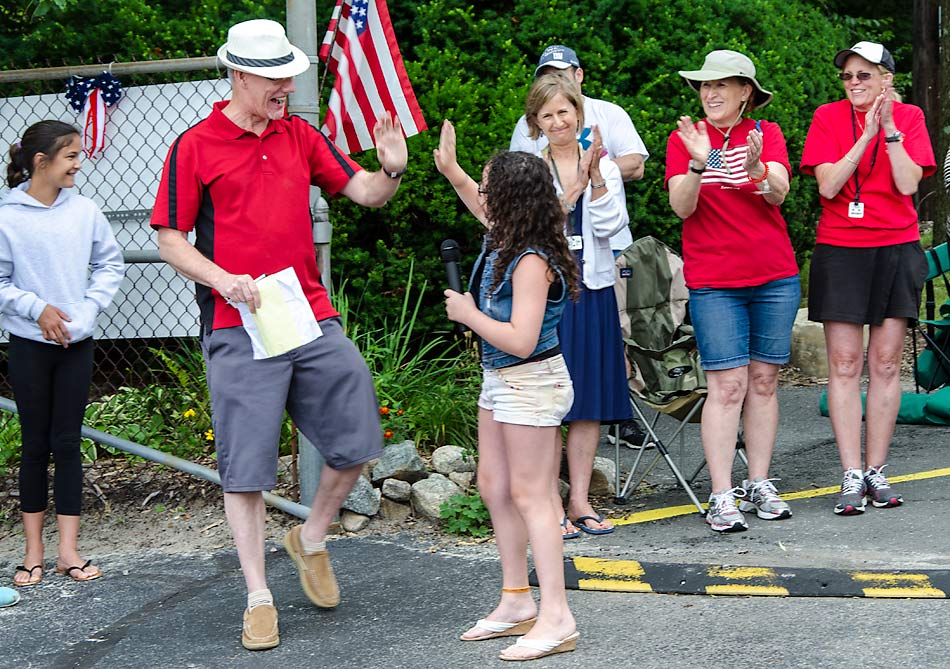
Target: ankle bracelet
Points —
{"points": [[513, 591]]}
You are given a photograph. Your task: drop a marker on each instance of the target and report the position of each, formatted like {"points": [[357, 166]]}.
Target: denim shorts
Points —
{"points": [[734, 325], [533, 393]]}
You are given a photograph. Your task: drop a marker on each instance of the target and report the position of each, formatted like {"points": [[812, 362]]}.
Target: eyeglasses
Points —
{"points": [[847, 76]]}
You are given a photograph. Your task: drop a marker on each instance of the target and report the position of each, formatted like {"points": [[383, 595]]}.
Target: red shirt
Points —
{"points": [[247, 198], [734, 239], [889, 217]]}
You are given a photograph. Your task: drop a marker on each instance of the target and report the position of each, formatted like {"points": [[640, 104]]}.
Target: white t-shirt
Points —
{"points": [[617, 131]]}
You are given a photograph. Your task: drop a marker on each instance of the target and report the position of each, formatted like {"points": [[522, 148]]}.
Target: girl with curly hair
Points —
{"points": [[521, 283]]}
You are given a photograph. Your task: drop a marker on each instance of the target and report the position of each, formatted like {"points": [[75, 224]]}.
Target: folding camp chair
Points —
{"points": [[932, 365], [665, 372]]}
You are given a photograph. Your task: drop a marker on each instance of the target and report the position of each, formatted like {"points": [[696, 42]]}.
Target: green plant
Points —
{"points": [[427, 385], [466, 515]]}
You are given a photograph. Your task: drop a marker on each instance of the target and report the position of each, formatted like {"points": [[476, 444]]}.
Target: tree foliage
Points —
{"points": [[473, 63]]}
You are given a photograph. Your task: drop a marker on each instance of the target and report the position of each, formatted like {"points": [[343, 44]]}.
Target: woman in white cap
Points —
{"points": [[727, 176], [868, 153]]}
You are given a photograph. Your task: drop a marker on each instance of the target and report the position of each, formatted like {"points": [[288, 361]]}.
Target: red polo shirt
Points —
{"points": [[247, 198]]}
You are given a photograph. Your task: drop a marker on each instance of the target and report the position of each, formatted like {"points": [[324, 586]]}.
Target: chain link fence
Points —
{"points": [[148, 380]]}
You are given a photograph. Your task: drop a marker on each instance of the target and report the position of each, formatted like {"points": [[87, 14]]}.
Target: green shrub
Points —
{"points": [[466, 515], [474, 64]]}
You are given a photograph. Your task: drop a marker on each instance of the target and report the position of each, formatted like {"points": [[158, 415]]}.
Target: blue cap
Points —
{"points": [[558, 56]]}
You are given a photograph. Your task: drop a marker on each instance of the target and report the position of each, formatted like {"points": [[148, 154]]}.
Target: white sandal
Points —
{"points": [[496, 629], [544, 648]]}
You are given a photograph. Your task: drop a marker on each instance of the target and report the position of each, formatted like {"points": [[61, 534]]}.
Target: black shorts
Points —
{"points": [[866, 285]]}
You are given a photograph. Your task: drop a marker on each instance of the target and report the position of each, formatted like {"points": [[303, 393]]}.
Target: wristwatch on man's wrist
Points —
{"points": [[393, 175], [696, 169]]}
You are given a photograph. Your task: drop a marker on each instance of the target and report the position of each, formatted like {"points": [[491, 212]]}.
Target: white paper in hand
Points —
{"points": [[284, 321]]}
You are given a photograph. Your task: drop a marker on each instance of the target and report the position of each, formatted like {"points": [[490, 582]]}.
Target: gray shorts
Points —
{"points": [[325, 386]]}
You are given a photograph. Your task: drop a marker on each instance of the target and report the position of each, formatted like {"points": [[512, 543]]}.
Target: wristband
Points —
{"points": [[602, 184], [898, 136], [696, 170], [765, 175], [393, 175]]}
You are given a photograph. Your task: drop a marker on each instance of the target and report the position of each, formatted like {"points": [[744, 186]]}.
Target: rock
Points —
{"points": [[394, 511], [400, 461], [462, 479], [353, 522], [396, 490], [363, 498], [448, 459], [429, 495], [809, 353], [602, 479], [563, 489]]}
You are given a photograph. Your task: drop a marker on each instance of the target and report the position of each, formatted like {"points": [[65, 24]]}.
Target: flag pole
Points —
{"points": [[305, 102]]}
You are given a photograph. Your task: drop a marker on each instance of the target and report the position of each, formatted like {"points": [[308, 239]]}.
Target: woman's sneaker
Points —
{"points": [[853, 488], [762, 497], [723, 515], [879, 490]]}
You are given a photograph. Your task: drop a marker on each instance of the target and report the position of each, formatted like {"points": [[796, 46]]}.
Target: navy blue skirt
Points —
{"points": [[592, 346]]}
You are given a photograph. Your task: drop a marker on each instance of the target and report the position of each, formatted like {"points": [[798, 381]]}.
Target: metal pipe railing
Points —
{"points": [[293, 508], [137, 67]]}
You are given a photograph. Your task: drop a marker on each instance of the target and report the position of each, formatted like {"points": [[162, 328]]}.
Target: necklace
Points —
{"points": [[557, 176]]}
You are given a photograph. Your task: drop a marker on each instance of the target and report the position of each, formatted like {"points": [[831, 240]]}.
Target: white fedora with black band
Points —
{"points": [[261, 47]]}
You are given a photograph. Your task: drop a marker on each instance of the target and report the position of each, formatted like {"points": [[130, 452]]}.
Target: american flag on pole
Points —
{"points": [[360, 50]]}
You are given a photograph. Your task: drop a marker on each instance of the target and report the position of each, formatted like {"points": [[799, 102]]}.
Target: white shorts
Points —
{"points": [[538, 394]]}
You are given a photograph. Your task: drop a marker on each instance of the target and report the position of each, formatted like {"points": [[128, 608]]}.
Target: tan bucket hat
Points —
{"points": [[723, 64]]}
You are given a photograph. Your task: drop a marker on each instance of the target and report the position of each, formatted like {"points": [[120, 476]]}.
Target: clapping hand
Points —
{"points": [[694, 138], [754, 153]]}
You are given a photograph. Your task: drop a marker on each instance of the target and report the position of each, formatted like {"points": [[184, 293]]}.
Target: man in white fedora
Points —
{"points": [[240, 180]]}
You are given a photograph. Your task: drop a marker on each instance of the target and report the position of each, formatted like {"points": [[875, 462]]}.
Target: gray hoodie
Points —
{"points": [[46, 254]]}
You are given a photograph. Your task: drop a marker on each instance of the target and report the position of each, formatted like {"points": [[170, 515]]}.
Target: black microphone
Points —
{"points": [[451, 255]]}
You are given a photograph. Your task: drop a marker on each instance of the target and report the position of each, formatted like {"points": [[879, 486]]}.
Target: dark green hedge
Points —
{"points": [[474, 66]]}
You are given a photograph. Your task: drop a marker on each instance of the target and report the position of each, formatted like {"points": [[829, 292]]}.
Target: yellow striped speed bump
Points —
{"points": [[585, 573]]}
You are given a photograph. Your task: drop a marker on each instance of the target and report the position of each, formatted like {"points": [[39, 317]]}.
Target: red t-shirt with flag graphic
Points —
{"points": [[734, 239], [889, 217]]}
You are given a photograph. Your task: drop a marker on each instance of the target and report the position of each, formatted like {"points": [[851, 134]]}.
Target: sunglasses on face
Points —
{"points": [[847, 76]]}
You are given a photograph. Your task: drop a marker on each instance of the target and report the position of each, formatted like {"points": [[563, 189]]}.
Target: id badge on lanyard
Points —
{"points": [[855, 210]]}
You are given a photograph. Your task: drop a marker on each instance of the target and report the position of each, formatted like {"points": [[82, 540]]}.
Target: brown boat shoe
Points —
{"points": [[260, 628], [316, 574]]}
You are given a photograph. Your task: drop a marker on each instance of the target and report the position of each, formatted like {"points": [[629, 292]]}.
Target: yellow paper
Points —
{"points": [[274, 321]]}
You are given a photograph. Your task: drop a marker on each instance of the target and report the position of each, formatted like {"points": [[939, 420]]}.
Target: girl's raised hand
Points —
{"points": [[445, 156]]}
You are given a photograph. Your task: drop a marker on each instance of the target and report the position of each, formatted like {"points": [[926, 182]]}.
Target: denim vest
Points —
{"points": [[496, 303]]}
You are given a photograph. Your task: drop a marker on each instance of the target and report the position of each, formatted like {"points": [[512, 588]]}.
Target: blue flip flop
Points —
{"points": [[579, 524], [569, 535], [8, 597]]}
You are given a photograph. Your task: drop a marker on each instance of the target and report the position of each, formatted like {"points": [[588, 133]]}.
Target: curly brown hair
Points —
{"points": [[523, 209]]}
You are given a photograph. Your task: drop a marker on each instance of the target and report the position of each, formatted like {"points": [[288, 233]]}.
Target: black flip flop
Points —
{"points": [[30, 572]]}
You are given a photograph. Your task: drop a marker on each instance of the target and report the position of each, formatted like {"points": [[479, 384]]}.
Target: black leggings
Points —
{"points": [[51, 388]]}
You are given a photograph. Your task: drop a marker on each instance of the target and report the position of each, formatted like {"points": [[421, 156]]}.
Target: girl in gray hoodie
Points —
{"points": [[59, 267]]}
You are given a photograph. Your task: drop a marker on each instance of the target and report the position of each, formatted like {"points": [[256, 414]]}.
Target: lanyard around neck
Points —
{"points": [[877, 144]]}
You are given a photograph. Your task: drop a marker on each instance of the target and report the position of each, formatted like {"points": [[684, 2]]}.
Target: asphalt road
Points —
{"points": [[404, 602]]}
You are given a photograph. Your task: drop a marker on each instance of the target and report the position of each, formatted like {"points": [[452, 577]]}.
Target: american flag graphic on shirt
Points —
{"points": [[725, 168]]}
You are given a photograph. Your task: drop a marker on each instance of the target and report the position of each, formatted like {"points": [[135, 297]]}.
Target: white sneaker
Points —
{"points": [[723, 515]]}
